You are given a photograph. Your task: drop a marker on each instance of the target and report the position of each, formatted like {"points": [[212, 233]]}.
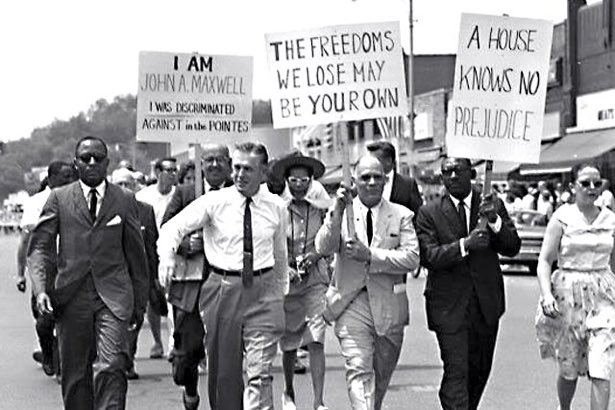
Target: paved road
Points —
{"points": [[519, 379]]}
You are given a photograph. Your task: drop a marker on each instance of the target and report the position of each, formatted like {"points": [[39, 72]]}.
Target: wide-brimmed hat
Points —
{"points": [[297, 159]]}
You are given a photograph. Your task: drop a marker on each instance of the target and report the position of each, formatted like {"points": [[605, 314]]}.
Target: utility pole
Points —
{"points": [[408, 146]]}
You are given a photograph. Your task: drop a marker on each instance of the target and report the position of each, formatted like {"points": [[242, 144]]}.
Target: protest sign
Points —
{"points": [[185, 97], [338, 73], [501, 76]]}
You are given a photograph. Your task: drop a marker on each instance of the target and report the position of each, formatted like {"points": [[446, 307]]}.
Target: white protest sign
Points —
{"points": [[338, 73], [187, 97], [501, 76]]}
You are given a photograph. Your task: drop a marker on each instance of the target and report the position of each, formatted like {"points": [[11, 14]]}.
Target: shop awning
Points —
{"points": [[570, 150]]}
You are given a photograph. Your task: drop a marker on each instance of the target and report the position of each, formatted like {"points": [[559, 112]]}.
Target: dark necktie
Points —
{"points": [[247, 275], [370, 227], [462, 217], [93, 203]]}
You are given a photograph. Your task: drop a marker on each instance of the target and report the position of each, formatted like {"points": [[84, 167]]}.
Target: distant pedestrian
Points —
{"points": [[576, 318], [159, 195], [101, 281], [58, 174], [606, 198]]}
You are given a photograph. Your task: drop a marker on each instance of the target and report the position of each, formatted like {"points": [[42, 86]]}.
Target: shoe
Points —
{"points": [[299, 367], [288, 403], [48, 367], [190, 403], [37, 355], [131, 374], [156, 352]]}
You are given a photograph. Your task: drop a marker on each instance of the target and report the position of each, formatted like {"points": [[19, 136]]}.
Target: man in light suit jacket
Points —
{"points": [[101, 282], [464, 292], [184, 293], [367, 297], [399, 189]]}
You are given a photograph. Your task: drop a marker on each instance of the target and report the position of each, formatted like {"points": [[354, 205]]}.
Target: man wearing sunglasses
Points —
{"points": [[101, 281], [158, 196], [464, 292]]}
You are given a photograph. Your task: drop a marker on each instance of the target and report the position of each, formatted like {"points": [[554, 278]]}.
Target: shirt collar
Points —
{"points": [[100, 189], [375, 208], [256, 198], [467, 200]]}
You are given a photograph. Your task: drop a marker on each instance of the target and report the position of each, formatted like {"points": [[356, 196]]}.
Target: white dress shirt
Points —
{"points": [[467, 203], [361, 228], [388, 185], [220, 215], [100, 194], [33, 207], [152, 196]]}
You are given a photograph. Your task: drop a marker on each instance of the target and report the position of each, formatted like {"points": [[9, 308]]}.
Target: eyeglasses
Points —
{"points": [[297, 180], [169, 170], [586, 183], [448, 171], [87, 157]]}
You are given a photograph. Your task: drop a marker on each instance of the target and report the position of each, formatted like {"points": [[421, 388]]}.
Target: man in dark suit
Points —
{"points": [[464, 291], [184, 292], [101, 279], [398, 189]]}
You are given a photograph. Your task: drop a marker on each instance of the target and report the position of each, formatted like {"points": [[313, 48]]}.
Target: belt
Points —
{"points": [[238, 272]]}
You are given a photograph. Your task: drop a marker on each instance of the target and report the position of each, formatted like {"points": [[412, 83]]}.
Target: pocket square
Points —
{"points": [[114, 221]]}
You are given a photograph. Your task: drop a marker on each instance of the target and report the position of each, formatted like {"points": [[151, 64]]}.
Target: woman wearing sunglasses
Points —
{"points": [[576, 319]]}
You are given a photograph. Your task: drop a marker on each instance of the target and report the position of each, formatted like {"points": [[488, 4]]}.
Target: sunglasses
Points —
{"points": [[296, 180], [87, 158], [586, 183], [448, 171], [170, 170]]}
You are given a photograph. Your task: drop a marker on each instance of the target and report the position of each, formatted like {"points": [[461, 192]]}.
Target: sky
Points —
{"points": [[59, 57]]}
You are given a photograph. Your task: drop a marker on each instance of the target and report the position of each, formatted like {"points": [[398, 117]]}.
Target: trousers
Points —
{"points": [[93, 352], [370, 358], [241, 321]]}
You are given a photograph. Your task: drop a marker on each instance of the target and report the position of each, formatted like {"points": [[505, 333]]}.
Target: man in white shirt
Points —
{"points": [[244, 232], [58, 173], [158, 196], [367, 297]]}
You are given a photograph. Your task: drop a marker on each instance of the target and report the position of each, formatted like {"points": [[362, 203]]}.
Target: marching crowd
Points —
{"points": [[253, 256]]}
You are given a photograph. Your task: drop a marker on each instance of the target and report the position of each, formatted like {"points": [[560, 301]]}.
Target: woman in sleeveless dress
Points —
{"points": [[575, 323]]}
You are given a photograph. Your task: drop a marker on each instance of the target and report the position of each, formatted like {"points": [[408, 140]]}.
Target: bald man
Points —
{"points": [[367, 297]]}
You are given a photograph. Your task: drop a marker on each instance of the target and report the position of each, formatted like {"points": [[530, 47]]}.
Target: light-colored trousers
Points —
{"points": [[370, 358], [241, 322]]}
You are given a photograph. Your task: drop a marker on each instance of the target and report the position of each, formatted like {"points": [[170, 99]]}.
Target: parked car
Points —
{"points": [[531, 226]]}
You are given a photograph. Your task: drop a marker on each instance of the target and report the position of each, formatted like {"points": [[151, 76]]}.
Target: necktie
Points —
{"points": [[93, 203], [370, 227], [247, 275], [462, 217]]}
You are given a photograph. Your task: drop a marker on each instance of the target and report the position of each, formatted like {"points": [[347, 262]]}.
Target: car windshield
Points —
{"points": [[529, 218]]}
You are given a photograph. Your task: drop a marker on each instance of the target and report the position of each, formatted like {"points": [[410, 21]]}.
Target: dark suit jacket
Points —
{"points": [[185, 294], [110, 248], [405, 192], [147, 218], [451, 278]]}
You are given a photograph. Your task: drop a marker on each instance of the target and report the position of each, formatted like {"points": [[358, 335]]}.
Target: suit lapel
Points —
{"points": [[450, 213], [107, 202], [382, 224], [81, 207], [474, 209]]}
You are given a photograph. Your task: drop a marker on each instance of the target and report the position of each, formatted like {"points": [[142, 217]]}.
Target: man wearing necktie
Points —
{"points": [[464, 291], [367, 296], [184, 292], [101, 283], [244, 234]]}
